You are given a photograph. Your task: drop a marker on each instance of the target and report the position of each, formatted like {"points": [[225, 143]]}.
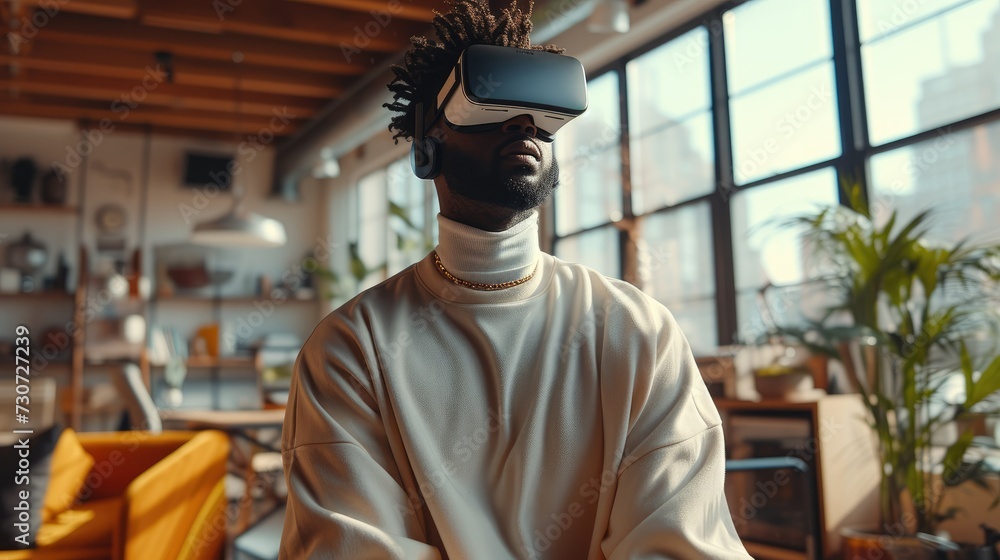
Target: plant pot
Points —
{"points": [[784, 386]]}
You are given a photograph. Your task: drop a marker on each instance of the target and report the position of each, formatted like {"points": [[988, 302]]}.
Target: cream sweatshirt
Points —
{"points": [[563, 418]]}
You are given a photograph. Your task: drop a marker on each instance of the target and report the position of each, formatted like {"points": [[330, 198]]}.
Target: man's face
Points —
{"points": [[507, 166]]}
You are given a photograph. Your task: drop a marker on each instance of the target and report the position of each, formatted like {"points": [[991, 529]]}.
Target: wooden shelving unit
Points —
{"points": [[39, 208], [842, 453], [48, 296], [228, 299], [219, 362], [79, 335]]}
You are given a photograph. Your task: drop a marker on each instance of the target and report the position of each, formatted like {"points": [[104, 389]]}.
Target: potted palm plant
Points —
{"points": [[909, 318]]}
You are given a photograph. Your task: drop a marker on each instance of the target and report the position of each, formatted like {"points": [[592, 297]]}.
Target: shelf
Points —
{"points": [[231, 299], [10, 361], [768, 405], [213, 362], [39, 208], [68, 296]]}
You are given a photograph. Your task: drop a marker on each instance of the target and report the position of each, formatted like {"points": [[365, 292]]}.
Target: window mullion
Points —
{"points": [[850, 94], [722, 239], [627, 251]]}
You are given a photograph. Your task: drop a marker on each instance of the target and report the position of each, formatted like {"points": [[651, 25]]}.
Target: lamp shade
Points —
{"points": [[242, 229]]}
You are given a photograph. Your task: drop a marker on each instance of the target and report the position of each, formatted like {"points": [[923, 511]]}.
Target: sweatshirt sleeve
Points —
{"points": [[346, 499], [669, 501]]}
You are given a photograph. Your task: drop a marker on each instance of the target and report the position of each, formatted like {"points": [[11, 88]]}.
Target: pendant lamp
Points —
{"points": [[240, 227]]}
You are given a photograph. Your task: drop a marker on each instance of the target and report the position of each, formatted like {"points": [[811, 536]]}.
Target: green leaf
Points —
{"points": [[401, 213], [952, 462], [967, 372], [987, 384], [358, 268]]}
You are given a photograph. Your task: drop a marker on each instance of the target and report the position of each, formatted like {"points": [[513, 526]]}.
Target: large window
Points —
{"points": [[589, 196], [688, 198], [766, 250], [397, 223], [670, 120], [957, 174], [691, 199], [927, 64]]}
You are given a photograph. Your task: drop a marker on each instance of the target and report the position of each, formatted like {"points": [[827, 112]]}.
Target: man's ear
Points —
{"points": [[425, 156]]}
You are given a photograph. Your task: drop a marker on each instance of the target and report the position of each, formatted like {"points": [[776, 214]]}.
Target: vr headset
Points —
{"points": [[490, 85]]}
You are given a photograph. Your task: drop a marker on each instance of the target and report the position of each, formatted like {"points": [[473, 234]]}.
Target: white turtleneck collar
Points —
{"points": [[485, 256]]}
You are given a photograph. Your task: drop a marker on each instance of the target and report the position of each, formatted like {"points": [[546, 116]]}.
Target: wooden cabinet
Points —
{"points": [[830, 434]]}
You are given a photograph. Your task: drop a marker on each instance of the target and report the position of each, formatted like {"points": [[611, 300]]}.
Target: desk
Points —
{"points": [[239, 424]]}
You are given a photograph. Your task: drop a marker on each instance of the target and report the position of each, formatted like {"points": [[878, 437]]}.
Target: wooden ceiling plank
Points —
{"points": [[133, 65], [119, 9], [86, 30], [402, 9], [164, 95], [194, 120], [284, 21]]}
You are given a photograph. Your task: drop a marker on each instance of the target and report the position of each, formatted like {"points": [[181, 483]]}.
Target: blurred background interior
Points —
{"points": [[188, 187]]}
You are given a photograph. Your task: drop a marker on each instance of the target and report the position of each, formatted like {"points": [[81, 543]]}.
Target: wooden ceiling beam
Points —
{"points": [[92, 31], [135, 66], [69, 109], [173, 96], [120, 9], [402, 9], [303, 23]]}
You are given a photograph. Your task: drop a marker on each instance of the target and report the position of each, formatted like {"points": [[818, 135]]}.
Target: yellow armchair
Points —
{"points": [[147, 497]]}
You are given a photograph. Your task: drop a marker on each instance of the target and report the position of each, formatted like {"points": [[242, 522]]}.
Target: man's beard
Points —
{"points": [[509, 187]]}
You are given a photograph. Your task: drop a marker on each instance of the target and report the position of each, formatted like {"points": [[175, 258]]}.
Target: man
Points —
{"points": [[492, 401]]}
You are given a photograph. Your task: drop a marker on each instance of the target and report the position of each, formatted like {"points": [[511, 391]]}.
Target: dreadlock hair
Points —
{"points": [[427, 64]]}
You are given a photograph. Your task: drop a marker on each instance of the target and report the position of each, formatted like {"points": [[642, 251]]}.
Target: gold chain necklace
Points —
{"points": [[476, 285]]}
